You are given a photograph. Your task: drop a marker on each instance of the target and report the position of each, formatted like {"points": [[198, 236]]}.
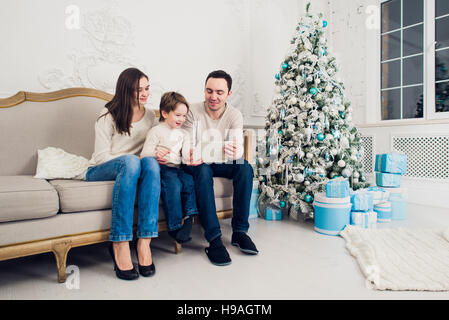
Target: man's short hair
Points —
{"points": [[220, 74]]}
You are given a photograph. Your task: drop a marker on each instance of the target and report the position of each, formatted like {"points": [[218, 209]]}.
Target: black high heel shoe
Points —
{"points": [[145, 271], [123, 274]]}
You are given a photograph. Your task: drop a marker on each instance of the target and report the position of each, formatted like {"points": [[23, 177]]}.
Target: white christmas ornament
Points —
{"points": [[341, 163]]}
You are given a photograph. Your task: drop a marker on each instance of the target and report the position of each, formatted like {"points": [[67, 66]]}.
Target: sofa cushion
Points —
{"points": [[77, 195], [24, 197]]}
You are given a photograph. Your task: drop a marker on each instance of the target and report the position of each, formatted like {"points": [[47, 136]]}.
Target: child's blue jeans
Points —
{"points": [[177, 195]]}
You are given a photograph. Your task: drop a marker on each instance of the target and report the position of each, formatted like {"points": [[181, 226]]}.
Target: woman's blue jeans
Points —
{"points": [[132, 175], [177, 195]]}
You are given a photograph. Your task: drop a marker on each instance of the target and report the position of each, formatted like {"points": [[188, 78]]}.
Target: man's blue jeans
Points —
{"points": [[131, 175], [241, 174], [177, 195]]}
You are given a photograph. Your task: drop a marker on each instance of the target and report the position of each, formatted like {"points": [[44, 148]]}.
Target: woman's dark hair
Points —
{"points": [[120, 107], [169, 101], [220, 74]]}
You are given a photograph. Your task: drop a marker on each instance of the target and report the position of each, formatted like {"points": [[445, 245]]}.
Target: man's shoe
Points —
{"points": [[218, 255], [244, 243]]}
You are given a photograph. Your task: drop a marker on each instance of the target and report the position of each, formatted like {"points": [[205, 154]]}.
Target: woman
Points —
{"points": [[120, 133]]}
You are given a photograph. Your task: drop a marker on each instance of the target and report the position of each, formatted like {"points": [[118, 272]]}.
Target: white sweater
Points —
{"points": [[210, 135], [109, 144], [175, 140]]}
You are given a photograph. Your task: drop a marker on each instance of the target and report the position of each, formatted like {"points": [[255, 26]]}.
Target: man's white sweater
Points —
{"points": [[210, 135]]}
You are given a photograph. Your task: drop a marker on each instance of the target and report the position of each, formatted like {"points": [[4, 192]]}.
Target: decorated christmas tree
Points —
{"points": [[310, 137]]}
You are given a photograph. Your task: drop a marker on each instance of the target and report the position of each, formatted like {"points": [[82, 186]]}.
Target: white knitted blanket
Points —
{"points": [[401, 259]]}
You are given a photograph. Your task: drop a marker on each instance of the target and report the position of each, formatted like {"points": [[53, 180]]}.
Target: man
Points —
{"points": [[215, 123]]}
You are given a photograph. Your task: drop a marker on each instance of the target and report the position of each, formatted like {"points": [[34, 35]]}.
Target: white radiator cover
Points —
{"points": [[427, 149]]}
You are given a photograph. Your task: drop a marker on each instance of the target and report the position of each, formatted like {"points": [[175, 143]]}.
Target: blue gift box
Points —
{"points": [[253, 210], [273, 214], [384, 179], [379, 194], [337, 188], [364, 219], [391, 163], [398, 200], [362, 200], [383, 211], [332, 215]]}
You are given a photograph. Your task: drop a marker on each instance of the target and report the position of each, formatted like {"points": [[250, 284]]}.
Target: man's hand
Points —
{"points": [[160, 155], [230, 149], [192, 162]]}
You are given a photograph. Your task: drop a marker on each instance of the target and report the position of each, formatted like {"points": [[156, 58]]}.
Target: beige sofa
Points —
{"points": [[37, 215]]}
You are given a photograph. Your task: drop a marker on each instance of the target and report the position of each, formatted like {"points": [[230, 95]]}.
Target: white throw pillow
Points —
{"points": [[55, 163]]}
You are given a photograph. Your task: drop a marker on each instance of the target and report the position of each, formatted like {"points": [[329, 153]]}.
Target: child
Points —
{"points": [[177, 187]]}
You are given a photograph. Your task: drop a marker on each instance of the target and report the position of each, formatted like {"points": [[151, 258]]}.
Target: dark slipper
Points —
{"points": [[244, 243], [218, 255]]}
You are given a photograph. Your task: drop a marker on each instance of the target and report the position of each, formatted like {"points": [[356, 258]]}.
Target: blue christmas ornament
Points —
{"points": [[320, 137], [308, 198], [277, 76], [324, 24], [282, 204], [285, 65], [323, 51], [281, 132], [336, 134], [313, 91], [342, 114]]}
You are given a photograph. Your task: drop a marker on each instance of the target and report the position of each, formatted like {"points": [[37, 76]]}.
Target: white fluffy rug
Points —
{"points": [[401, 259]]}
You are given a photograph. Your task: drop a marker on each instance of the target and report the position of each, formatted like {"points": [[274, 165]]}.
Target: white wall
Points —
{"points": [[176, 42]]}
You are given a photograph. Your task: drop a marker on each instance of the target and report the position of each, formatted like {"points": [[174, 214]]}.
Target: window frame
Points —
{"points": [[429, 73]]}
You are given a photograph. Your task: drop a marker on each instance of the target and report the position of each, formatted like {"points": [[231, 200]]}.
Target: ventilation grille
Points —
{"points": [[427, 156], [368, 154]]}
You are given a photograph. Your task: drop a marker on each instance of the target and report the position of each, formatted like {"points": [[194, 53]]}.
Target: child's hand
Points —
{"points": [[160, 155], [192, 162]]}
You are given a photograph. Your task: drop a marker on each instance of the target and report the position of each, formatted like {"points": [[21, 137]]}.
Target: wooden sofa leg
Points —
{"points": [[178, 248], [60, 249]]}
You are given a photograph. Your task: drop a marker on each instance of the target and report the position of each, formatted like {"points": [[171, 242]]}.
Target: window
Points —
{"points": [[414, 59], [442, 56], [402, 65]]}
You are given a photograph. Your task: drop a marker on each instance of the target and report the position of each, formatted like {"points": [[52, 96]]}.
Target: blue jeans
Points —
{"points": [[242, 180], [177, 195], [131, 175]]}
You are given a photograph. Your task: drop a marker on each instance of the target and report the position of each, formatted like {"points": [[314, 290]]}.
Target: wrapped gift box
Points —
{"points": [[383, 211], [364, 219], [337, 188], [391, 163], [398, 208], [362, 200], [332, 215], [398, 199], [272, 213], [253, 210], [379, 194], [388, 179]]}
